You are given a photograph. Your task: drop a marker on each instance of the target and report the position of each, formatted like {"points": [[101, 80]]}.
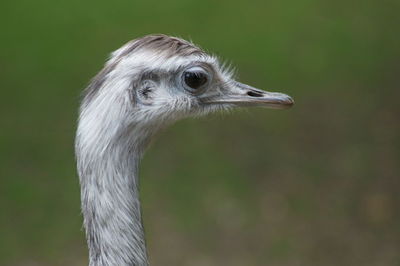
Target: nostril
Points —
{"points": [[254, 94]]}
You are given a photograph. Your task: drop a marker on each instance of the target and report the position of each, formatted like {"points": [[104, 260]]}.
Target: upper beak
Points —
{"points": [[244, 95]]}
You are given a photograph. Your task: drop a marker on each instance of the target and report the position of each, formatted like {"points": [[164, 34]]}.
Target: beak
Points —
{"points": [[244, 95]]}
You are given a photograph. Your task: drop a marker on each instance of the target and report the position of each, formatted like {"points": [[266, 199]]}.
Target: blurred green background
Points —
{"points": [[314, 185]]}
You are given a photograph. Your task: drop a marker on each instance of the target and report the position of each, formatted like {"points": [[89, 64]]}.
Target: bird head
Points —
{"points": [[159, 79]]}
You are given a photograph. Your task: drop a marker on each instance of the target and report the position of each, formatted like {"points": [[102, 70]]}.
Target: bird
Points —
{"points": [[146, 85]]}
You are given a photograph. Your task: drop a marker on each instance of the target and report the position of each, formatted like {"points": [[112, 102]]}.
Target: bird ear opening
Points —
{"points": [[145, 92]]}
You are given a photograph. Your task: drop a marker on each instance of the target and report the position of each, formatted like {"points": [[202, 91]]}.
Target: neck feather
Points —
{"points": [[110, 203]]}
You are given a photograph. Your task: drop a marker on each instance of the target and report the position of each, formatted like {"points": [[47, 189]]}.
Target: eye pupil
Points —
{"points": [[195, 80]]}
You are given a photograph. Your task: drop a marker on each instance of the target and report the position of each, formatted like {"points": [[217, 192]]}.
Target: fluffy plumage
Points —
{"points": [[146, 85]]}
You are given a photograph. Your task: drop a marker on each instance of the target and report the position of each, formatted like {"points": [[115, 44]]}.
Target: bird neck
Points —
{"points": [[111, 205]]}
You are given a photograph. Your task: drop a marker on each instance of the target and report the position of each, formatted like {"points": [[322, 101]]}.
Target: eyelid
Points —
{"points": [[197, 69]]}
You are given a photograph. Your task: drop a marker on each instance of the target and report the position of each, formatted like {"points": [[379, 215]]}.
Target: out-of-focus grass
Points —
{"points": [[316, 185]]}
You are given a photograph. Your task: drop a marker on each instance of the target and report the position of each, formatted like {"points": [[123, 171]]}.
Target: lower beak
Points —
{"points": [[244, 95]]}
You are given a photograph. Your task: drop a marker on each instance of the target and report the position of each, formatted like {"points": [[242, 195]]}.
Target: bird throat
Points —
{"points": [[111, 205]]}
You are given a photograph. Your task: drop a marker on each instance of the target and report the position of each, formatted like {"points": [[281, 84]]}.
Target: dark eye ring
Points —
{"points": [[195, 78]]}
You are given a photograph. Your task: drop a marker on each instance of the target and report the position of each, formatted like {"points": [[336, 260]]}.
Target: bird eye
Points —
{"points": [[195, 78]]}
